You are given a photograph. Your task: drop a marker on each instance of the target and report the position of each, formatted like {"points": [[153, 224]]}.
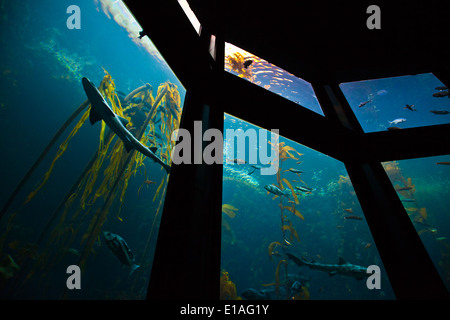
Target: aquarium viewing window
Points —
{"points": [[399, 102], [423, 186], [95, 206], [83, 191], [270, 77], [318, 218]]}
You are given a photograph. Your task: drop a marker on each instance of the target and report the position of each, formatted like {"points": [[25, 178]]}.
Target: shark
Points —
{"points": [[100, 110], [343, 267]]}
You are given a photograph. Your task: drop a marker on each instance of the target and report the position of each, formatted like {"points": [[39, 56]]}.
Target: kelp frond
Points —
{"points": [[229, 210], [271, 248], [59, 153], [292, 190], [227, 287], [277, 282]]}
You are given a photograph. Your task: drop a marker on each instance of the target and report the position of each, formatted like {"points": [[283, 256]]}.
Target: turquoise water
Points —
{"points": [[387, 99], [324, 234]]}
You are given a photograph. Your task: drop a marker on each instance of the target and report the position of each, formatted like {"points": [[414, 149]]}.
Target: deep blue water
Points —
{"points": [[42, 63], [388, 98], [324, 233]]}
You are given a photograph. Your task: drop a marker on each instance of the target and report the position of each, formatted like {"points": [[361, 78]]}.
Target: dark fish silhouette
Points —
{"points": [[440, 94], [247, 63], [410, 107], [120, 249], [440, 111], [142, 34], [362, 104]]}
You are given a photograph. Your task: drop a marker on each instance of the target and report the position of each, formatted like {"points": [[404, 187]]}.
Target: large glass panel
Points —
{"points": [[264, 74], [71, 194], [423, 186], [400, 102], [318, 221]]}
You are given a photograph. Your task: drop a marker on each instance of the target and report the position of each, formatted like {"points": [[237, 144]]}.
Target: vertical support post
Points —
{"points": [[410, 270], [187, 257]]}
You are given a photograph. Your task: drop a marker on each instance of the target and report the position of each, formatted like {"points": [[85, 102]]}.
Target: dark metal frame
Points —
{"points": [[187, 257]]}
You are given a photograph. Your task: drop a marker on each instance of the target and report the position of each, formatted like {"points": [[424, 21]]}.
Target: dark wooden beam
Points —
{"points": [[171, 32], [187, 257], [268, 110]]}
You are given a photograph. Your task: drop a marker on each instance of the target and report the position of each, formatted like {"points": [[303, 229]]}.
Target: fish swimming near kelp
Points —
{"points": [[294, 170], [343, 267], [248, 63], [277, 191], [100, 110], [271, 294], [120, 249], [403, 188], [352, 218], [304, 189]]}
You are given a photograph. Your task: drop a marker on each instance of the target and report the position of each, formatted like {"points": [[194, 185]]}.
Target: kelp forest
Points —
{"points": [[310, 209], [277, 248], [75, 226]]}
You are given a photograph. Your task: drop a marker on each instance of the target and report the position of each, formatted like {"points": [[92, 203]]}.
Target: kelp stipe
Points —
{"points": [[289, 234]]}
